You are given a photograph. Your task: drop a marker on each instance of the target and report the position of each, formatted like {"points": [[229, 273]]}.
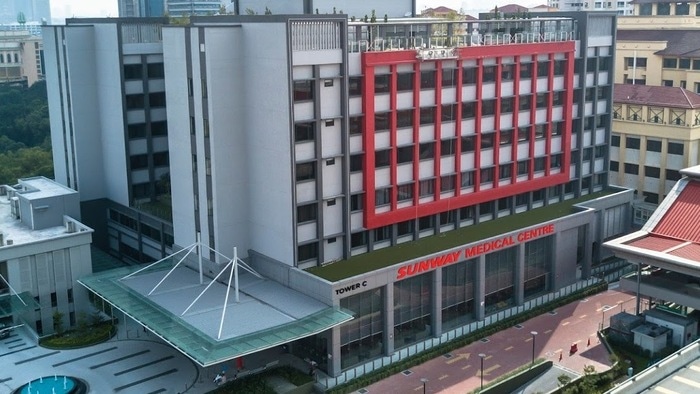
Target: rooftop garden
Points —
{"points": [[386, 257]]}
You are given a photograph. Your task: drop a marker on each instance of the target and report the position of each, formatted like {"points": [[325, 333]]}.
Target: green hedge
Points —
{"points": [[434, 352], [75, 339]]}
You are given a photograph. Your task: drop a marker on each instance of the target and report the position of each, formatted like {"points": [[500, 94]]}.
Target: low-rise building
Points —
{"points": [[21, 58]]}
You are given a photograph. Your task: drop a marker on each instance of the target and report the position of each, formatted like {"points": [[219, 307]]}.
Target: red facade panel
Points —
{"points": [[370, 60]]}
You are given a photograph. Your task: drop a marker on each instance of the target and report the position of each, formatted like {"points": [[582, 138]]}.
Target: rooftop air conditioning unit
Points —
{"points": [[14, 207], [70, 226], [2, 241]]}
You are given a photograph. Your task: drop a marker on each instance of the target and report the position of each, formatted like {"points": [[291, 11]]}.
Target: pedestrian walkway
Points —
{"points": [[556, 332]]}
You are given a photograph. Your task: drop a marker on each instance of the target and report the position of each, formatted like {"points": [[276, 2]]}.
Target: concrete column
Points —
{"points": [[436, 293], [480, 287], [334, 367], [389, 319], [519, 275], [588, 248]]}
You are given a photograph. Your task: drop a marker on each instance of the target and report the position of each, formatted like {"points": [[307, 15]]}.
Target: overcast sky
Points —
{"points": [[61, 9]]}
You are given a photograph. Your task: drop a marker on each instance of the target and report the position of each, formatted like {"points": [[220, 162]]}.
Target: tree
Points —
{"points": [[268, 11], [25, 163], [373, 18], [58, 323]]}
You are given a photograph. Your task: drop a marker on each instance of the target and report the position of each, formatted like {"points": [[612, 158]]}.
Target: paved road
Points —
{"points": [[121, 365], [507, 350]]}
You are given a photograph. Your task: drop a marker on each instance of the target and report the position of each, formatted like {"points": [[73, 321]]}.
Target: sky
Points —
{"points": [[61, 9]]}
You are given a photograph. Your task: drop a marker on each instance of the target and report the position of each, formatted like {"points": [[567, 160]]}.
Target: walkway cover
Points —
{"points": [[197, 317]]}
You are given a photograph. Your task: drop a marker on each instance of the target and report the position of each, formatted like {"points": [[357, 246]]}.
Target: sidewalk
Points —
{"points": [[575, 323]]}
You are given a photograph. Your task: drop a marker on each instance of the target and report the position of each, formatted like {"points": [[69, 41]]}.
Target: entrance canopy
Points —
{"points": [[197, 316]]}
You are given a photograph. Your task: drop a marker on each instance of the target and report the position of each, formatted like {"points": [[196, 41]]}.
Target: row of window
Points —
{"points": [[665, 9], [138, 101], [160, 159], [9, 58], [652, 172], [140, 130], [681, 63], [136, 71], [673, 148]]}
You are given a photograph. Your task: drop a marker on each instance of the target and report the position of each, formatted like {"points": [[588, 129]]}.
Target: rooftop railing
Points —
{"points": [[457, 41]]}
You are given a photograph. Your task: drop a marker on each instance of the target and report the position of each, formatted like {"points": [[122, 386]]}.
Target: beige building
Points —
{"points": [[655, 134], [21, 59]]}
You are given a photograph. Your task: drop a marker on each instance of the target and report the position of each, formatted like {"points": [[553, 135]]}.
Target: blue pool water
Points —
{"points": [[49, 385]]}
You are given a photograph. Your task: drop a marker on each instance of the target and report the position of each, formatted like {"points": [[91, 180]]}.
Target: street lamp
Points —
{"points": [[424, 380], [482, 356], [533, 333]]}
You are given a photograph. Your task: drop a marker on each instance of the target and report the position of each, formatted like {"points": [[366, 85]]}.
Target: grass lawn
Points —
{"points": [[386, 257]]}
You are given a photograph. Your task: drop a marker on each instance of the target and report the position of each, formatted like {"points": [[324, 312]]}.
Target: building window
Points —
{"points": [[412, 306], [159, 129], [131, 71], [675, 148], [303, 90], [304, 132], [489, 73], [447, 183], [307, 213], [358, 239], [682, 9], [487, 141], [507, 72], [356, 202], [161, 159], [539, 164], [653, 146], [137, 130], [381, 121], [382, 158], [468, 76], [467, 179], [663, 9], [645, 9], [468, 144], [525, 70], [468, 110], [632, 143], [505, 171], [405, 228], [669, 62], [614, 166], [138, 161], [382, 234], [525, 103], [488, 107], [499, 286], [404, 118], [426, 223], [507, 104], [382, 197], [449, 77], [447, 147], [506, 137], [356, 162], [667, 82], [307, 252], [427, 79], [537, 267], [559, 67], [306, 171], [426, 150], [673, 175], [381, 83], [448, 112], [356, 125], [427, 115], [653, 172], [632, 169], [156, 71], [615, 140], [156, 100], [426, 188], [486, 175], [404, 192], [355, 86], [135, 101], [523, 167], [404, 82]]}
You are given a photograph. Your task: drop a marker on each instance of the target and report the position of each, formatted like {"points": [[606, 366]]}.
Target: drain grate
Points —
{"points": [[447, 355], [519, 326], [584, 300], [363, 391], [407, 372], [484, 340], [552, 313]]}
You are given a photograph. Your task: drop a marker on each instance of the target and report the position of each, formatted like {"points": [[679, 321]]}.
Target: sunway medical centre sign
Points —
{"points": [[469, 252]]}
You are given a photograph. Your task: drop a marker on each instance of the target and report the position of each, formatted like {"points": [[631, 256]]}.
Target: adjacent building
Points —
{"points": [[655, 135], [427, 176], [44, 249], [21, 58], [141, 8], [624, 7], [30, 10]]}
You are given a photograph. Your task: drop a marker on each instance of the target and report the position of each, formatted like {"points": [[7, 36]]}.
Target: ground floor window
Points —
{"points": [[458, 294], [412, 305], [500, 280], [361, 339], [537, 267]]}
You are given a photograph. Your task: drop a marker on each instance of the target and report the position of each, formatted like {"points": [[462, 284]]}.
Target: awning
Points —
{"points": [[268, 314]]}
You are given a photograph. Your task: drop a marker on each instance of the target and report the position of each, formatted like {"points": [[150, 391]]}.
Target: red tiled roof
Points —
{"points": [[681, 218], [665, 96], [657, 244], [690, 252]]}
